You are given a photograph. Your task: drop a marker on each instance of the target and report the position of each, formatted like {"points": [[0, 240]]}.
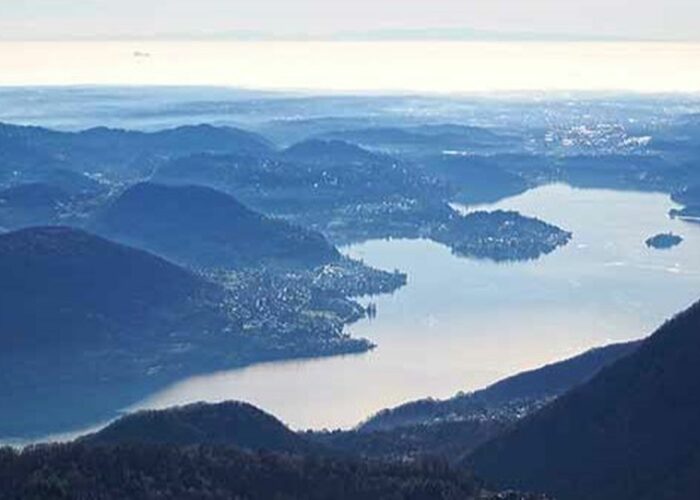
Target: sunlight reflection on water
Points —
{"points": [[460, 324], [360, 66]]}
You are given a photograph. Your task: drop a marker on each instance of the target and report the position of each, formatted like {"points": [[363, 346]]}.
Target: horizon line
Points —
{"points": [[460, 34]]}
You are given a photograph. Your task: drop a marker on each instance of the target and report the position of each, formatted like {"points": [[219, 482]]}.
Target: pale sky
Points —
{"points": [[631, 19]]}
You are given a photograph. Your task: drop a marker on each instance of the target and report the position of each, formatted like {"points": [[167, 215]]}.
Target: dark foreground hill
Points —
{"points": [[202, 227], [150, 472], [88, 326], [229, 423], [629, 433], [82, 316], [62, 287]]}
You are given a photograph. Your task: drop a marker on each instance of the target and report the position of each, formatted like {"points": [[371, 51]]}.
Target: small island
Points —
{"points": [[664, 241], [500, 236]]}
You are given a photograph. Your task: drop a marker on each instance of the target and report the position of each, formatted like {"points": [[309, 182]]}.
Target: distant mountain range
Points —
{"points": [[125, 152], [327, 184], [423, 140], [311, 176], [376, 35], [332, 153]]}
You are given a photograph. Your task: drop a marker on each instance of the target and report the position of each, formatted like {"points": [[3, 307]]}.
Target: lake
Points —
{"points": [[419, 66], [461, 324]]}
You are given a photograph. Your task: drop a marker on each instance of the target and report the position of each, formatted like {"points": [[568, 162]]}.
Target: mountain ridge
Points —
{"points": [[628, 433], [201, 227], [231, 423]]}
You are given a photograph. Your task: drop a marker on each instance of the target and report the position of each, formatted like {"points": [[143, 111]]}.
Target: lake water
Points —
{"points": [[460, 324], [452, 67]]}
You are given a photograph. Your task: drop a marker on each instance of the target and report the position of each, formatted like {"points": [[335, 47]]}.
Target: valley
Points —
{"points": [[461, 324], [416, 287]]}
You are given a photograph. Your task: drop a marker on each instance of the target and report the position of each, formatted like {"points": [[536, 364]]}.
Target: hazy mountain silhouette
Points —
{"points": [[202, 227]]}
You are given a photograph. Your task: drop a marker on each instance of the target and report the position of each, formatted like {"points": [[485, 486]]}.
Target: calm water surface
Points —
{"points": [[460, 324], [420, 66]]}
